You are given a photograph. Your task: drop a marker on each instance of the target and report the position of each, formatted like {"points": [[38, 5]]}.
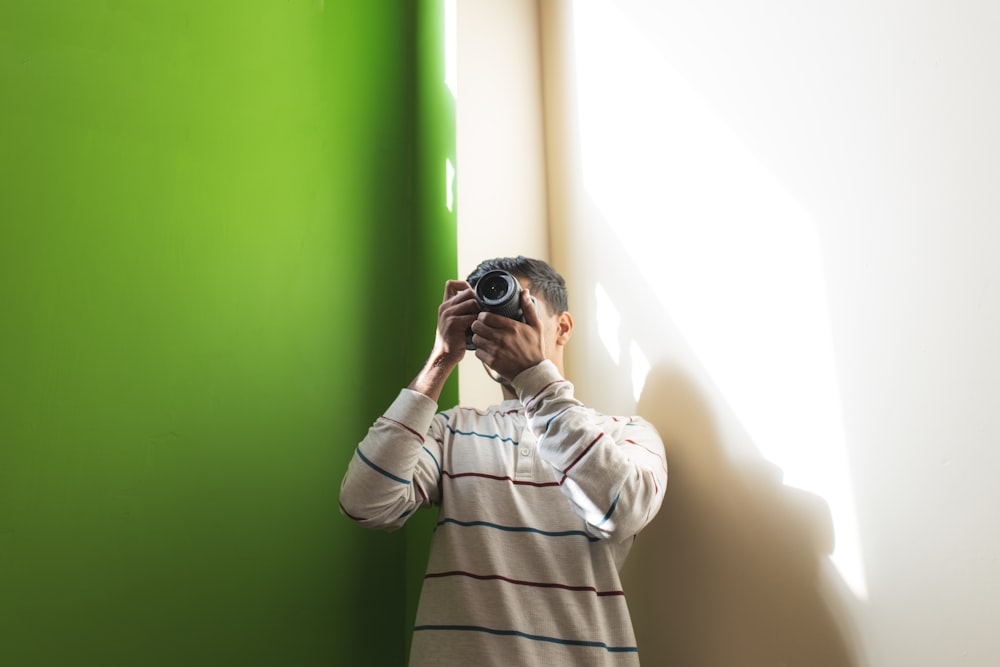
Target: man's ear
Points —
{"points": [[564, 328]]}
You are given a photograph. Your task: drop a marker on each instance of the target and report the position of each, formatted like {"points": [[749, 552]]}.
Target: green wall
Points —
{"points": [[222, 242]]}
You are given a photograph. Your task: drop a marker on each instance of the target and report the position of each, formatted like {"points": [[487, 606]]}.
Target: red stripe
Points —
{"points": [[487, 413], [497, 478], [399, 423], [532, 399], [583, 454], [633, 442], [536, 584], [349, 515]]}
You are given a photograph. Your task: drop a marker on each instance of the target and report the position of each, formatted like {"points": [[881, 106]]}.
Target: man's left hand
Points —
{"points": [[508, 346]]}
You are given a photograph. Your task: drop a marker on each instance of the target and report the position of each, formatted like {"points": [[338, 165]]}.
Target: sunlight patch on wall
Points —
{"points": [[732, 257], [608, 323], [640, 370], [449, 179]]}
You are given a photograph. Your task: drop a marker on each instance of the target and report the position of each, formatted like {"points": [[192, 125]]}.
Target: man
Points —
{"points": [[539, 497]]}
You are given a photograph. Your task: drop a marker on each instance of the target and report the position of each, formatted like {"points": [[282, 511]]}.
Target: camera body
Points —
{"points": [[497, 292]]}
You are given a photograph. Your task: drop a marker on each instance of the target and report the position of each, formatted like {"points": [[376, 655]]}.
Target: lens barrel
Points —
{"points": [[499, 292]]}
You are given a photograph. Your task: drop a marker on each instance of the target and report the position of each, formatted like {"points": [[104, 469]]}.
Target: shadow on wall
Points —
{"points": [[732, 563]]}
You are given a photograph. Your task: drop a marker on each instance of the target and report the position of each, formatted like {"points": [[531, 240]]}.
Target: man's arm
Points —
{"points": [[613, 474], [395, 467]]}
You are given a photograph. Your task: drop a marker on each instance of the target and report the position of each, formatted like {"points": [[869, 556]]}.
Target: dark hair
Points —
{"points": [[542, 279]]}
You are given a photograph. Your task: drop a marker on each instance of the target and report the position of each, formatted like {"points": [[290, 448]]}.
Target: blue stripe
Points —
{"points": [[521, 529], [553, 417], [384, 472], [495, 436], [433, 459], [610, 511], [537, 638]]}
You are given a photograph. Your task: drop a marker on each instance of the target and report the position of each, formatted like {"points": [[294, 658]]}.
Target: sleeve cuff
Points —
{"points": [[530, 382], [413, 409]]}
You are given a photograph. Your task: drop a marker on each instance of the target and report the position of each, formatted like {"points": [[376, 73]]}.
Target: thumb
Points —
{"points": [[530, 310]]}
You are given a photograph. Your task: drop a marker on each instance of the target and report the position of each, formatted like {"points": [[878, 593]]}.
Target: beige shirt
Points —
{"points": [[539, 498]]}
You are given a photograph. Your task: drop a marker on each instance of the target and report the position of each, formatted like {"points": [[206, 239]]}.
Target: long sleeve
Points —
{"points": [[395, 468], [612, 471]]}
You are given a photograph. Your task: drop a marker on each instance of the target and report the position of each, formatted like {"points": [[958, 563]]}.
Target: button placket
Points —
{"points": [[525, 455]]}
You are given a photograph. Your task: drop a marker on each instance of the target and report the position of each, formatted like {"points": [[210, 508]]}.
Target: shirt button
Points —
{"points": [[525, 451]]}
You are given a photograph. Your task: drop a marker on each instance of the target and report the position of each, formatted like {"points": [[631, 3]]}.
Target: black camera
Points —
{"points": [[497, 292]]}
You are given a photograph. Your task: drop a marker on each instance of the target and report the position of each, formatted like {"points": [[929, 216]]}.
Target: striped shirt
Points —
{"points": [[540, 499]]}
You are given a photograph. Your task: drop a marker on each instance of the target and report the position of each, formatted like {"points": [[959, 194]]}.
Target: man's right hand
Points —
{"points": [[457, 312]]}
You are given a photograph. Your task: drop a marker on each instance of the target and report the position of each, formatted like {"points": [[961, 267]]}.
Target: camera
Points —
{"points": [[498, 292]]}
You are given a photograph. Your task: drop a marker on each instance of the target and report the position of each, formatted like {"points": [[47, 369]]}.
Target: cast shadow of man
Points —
{"points": [[728, 575]]}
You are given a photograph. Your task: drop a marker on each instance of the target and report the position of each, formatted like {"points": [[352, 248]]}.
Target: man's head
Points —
{"points": [[548, 287]]}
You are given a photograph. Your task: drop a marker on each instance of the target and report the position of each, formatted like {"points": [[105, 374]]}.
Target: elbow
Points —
{"points": [[376, 514], [373, 518], [377, 523], [632, 509]]}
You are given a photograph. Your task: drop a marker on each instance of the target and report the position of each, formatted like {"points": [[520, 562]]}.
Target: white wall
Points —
{"points": [[778, 221], [502, 206]]}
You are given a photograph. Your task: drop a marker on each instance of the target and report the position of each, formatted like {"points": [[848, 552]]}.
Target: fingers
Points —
{"points": [[459, 299], [480, 331], [484, 335], [459, 306], [453, 287], [492, 331], [489, 341], [505, 345], [456, 313]]}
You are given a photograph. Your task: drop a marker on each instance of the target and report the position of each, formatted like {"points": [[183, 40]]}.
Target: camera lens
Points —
{"points": [[495, 288], [499, 292]]}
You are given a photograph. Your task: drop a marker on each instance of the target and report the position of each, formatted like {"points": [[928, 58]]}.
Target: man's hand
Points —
{"points": [[508, 346], [456, 314]]}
